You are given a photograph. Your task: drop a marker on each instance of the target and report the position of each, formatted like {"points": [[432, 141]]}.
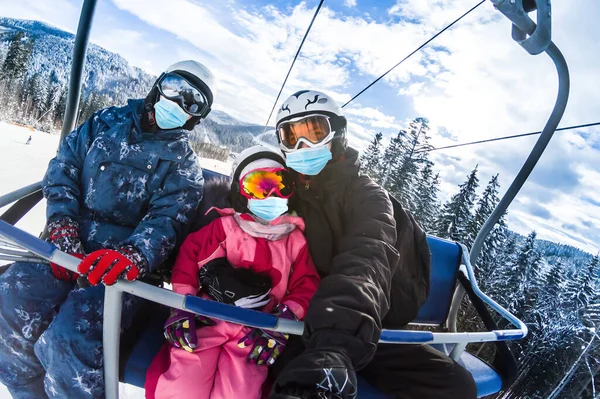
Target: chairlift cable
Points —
{"points": [[506, 137], [293, 62], [415, 51]]}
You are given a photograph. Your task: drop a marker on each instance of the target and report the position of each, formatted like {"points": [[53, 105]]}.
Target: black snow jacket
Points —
{"points": [[372, 256]]}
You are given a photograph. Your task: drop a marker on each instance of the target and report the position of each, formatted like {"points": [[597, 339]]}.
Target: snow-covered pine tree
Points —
{"points": [[530, 260], [28, 95], [390, 158], [454, 219], [52, 98], [13, 72], [584, 288], [59, 110], [424, 199], [486, 263], [412, 157], [495, 283], [370, 159], [15, 62], [485, 206], [38, 96], [555, 282]]}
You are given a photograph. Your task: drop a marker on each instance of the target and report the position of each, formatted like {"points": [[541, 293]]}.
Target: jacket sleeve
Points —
{"points": [[302, 284], [170, 212], [61, 185], [347, 309], [197, 249]]}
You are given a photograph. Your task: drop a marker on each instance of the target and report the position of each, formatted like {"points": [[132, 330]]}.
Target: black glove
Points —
{"points": [[317, 373], [235, 286]]}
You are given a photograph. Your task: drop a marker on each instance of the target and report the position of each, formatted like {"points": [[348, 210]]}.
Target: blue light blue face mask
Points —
{"points": [[309, 161], [268, 208], [169, 115]]}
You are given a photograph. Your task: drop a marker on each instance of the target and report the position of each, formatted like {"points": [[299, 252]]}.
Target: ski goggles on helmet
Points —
{"points": [[266, 182], [311, 130], [177, 89]]}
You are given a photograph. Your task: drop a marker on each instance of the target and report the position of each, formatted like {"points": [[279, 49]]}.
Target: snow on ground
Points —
{"points": [[217, 166], [23, 164]]}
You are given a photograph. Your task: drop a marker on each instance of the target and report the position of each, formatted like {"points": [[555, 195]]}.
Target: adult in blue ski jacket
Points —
{"points": [[121, 194]]}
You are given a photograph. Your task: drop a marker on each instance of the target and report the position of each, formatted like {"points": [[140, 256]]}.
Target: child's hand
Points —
{"points": [[268, 344], [180, 329]]}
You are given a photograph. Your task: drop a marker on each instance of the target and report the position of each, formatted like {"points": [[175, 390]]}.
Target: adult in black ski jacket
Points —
{"points": [[374, 262]]}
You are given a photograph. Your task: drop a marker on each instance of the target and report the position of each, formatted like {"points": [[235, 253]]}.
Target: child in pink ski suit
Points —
{"points": [[214, 359]]}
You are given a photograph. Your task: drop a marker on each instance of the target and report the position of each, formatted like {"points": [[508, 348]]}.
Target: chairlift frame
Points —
{"points": [[18, 245]]}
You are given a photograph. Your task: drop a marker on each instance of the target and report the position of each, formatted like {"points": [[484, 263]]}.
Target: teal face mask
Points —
{"points": [[268, 208], [169, 115], [309, 161]]}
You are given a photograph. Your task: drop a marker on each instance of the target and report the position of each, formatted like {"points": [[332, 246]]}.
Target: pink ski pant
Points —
{"points": [[217, 369]]}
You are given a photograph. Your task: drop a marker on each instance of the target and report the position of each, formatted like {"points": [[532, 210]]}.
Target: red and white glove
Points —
{"points": [[107, 265], [64, 234]]}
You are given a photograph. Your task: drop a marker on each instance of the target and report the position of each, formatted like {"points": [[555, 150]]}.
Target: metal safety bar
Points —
{"points": [[16, 195], [113, 306]]}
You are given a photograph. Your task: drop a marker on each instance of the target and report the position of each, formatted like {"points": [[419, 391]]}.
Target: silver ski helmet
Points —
{"points": [[196, 75], [305, 104]]}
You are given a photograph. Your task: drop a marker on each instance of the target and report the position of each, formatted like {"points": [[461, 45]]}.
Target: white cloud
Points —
{"points": [[373, 117], [255, 49], [350, 3]]}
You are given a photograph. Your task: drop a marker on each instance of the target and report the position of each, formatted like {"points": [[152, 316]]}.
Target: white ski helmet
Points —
{"points": [[198, 74], [312, 102]]}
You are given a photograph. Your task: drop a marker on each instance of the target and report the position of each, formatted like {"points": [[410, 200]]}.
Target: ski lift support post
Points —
{"points": [[79, 52], [535, 39]]}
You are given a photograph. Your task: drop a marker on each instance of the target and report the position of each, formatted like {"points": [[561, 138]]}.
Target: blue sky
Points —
{"points": [[475, 83]]}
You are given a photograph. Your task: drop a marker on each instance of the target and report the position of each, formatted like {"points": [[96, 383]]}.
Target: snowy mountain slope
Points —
{"points": [[111, 75], [105, 72]]}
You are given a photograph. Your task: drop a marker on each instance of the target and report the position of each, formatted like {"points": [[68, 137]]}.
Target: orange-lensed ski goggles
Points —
{"points": [[312, 130], [266, 182]]}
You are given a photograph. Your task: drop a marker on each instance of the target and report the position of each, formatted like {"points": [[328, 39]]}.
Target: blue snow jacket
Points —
{"points": [[124, 186]]}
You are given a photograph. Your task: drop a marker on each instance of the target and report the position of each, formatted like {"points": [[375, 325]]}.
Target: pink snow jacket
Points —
{"points": [[278, 250]]}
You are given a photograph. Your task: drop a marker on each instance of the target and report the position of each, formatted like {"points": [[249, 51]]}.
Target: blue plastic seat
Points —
{"points": [[446, 257]]}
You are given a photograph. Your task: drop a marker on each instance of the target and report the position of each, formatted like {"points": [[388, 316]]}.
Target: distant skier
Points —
{"points": [[121, 195], [28, 140]]}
